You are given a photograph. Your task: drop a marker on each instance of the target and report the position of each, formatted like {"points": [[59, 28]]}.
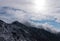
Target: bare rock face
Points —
{"points": [[19, 32]]}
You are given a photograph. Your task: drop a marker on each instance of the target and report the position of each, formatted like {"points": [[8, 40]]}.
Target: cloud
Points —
{"points": [[24, 11], [13, 14], [52, 12], [50, 28], [52, 9], [20, 4], [46, 26], [10, 14]]}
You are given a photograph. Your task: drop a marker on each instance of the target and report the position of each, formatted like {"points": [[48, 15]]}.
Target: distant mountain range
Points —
{"points": [[17, 31]]}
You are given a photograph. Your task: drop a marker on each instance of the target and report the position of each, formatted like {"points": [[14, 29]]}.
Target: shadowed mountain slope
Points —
{"points": [[19, 32]]}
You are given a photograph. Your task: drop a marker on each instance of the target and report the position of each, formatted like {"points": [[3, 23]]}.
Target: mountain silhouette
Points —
{"points": [[17, 31]]}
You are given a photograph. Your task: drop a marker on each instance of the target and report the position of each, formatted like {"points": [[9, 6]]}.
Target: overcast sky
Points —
{"points": [[42, 12]]}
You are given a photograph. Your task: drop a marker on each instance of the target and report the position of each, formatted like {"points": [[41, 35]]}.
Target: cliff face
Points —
{"points": [[19, 32]]}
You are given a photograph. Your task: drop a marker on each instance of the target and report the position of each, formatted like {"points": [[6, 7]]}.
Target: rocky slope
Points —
{"points": [[19, 32]]}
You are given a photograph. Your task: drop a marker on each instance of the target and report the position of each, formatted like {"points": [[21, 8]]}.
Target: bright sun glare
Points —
{"points": [[39, 5]]}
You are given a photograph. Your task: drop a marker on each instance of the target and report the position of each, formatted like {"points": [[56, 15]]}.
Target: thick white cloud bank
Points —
{"points": [[51, 8], [27, 10]]}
